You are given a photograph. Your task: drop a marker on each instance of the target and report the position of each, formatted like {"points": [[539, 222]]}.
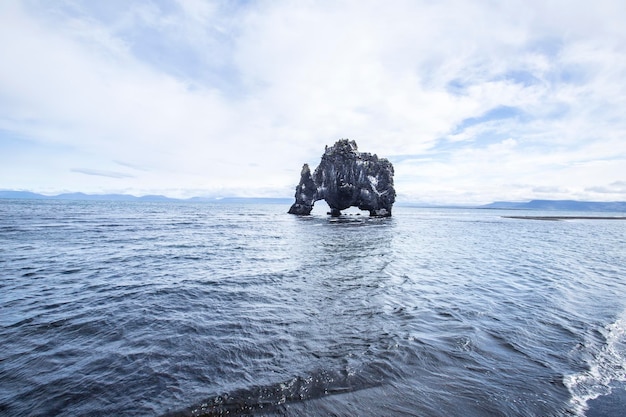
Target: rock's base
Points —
{"points": [[300, 209]]}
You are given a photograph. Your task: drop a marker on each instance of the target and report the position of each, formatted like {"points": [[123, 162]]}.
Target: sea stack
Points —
{"points": [[347, 178]]}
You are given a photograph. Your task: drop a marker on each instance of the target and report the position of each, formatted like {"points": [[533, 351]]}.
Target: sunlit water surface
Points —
{"points": [[139, 309]]}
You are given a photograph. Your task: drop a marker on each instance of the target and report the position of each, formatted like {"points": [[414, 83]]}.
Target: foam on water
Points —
{"points": [[606, 360]]}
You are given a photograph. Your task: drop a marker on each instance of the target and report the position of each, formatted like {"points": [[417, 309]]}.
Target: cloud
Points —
{"points": [[616, 188], [98, 173], [131, 166], [472, 101]]}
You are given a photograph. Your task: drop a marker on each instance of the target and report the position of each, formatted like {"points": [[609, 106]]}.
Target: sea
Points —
{"points": [[112, 308]]}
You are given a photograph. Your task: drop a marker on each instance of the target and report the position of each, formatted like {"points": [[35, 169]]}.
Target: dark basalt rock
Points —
{"points": [[347, 178]]}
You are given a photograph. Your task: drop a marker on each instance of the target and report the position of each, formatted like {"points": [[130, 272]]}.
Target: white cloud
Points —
{"points": [[222, 97]]}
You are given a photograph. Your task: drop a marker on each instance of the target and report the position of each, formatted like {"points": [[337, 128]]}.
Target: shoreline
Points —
{"points": [[556, 218]]}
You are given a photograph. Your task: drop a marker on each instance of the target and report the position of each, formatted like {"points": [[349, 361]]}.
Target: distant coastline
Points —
{"points": [[559, 205], [544, 205], [27, 195]]}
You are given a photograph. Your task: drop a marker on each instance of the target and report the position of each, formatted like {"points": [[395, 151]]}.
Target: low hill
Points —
{"points": [[563, 205]]}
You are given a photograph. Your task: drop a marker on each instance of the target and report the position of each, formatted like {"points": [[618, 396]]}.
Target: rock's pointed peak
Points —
{"points": [[306, 171]]}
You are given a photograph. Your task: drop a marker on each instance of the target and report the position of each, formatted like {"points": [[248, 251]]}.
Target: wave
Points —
{"points": [[606, 365]]}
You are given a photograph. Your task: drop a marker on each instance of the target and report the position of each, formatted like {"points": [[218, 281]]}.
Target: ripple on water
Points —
{"points": [[144, 309]]}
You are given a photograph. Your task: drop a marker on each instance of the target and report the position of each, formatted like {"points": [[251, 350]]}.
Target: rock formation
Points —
{"points": [[347, 178]]}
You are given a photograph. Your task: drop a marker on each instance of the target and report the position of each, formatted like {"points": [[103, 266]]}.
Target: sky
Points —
{"points": [[472, 101]]}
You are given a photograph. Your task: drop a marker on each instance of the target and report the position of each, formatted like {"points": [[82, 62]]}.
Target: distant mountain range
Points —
{"points": [[127, 197], [563, 205]]}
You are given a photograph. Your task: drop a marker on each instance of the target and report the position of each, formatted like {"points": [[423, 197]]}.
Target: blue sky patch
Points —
{"points": [[497, 113]]}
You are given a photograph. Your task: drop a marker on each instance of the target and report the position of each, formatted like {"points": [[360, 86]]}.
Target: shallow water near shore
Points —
{"points": [[136, 309]]}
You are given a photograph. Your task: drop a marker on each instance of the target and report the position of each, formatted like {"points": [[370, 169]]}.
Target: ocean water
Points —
{"points": [[181, 309]]}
